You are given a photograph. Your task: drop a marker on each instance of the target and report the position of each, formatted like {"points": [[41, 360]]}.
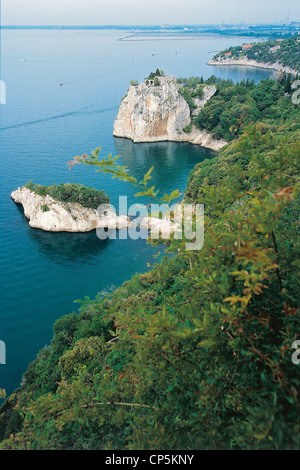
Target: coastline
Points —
{"points": [[196, 137], [253, 63]]}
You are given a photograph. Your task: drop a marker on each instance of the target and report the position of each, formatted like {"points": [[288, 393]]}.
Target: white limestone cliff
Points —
{"points": [[49, 214], [154, 113]]}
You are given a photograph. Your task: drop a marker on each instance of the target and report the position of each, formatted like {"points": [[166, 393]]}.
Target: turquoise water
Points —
{"points": [[43, 126]]}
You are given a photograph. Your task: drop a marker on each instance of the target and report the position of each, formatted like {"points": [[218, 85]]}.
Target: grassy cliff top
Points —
{"points": [[71, 192]]}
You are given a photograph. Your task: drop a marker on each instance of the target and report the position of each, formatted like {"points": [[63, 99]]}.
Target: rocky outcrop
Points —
{"points": [[49, 214], [208, 92], [203, 138], [253, 63], [155, 111]]}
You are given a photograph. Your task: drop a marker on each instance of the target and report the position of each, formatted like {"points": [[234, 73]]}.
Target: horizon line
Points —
{"points": [[141, 25]]}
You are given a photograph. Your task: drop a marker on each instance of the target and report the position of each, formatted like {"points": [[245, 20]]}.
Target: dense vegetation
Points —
{"points": [[285, 52], [71, 192], [192, 88], [157, 73], [235, 106], [196, 353]]}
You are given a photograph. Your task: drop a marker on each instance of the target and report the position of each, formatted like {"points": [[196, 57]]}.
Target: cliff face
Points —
{"points": [[49, 214], [152, 113]]}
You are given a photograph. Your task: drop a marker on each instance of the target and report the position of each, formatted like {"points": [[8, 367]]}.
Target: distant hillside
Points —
{"points": [[285, 52]]}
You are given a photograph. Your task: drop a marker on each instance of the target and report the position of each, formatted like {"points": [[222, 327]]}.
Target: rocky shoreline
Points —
{"points": [[253, 63], [49, 214]]}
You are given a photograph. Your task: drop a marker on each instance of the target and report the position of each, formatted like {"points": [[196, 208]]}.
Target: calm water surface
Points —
{"points": [[43, 126]]}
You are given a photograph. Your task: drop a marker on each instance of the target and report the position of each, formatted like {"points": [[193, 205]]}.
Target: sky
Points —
{"points": [[146, 12]]}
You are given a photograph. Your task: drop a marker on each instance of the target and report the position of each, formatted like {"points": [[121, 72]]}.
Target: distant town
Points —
{"points": [[282, 29]]}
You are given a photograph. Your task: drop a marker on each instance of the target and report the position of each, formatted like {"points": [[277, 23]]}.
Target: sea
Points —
{"points": [[42, 127]]}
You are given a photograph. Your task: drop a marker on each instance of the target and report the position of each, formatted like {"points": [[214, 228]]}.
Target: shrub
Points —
{"points": [[45, 208], [71, 192]]}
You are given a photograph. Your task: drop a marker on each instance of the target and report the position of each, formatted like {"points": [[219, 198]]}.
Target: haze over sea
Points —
{"points": [[43, 126]]}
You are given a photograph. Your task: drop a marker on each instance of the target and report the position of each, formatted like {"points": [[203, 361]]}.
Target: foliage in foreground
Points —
{"points": [[196, 353]]}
